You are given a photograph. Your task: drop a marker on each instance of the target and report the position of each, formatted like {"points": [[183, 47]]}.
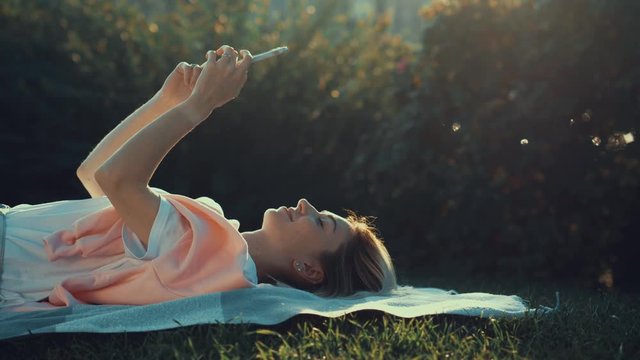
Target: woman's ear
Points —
{"points": [[309, 271]]}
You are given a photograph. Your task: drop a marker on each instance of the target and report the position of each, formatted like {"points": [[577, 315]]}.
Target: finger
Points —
{"points": [[181, 66], [224, 48], [211, 55], [229, 56], [196, 74], [187, 74], [228, 59], [246, 59]]}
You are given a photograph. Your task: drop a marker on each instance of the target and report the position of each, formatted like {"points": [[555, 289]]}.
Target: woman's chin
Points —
{"points": [[272, 217]]}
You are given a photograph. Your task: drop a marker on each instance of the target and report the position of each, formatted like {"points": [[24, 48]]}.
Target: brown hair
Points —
{"points": [[360, 264]]}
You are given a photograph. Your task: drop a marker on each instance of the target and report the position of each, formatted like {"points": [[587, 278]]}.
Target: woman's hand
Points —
{"points": [[220, 80], [179, 84]]}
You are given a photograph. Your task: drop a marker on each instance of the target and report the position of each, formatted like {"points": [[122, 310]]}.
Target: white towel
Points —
{"points": [[265, 304]]}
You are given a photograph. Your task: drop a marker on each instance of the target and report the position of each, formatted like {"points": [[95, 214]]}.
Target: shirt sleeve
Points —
{"points": [[167, 228]]}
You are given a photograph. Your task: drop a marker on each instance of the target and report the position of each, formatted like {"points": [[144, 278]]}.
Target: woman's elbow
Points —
{"points": [[82, 172], [109, 178], [105, 177], [85, 175]]}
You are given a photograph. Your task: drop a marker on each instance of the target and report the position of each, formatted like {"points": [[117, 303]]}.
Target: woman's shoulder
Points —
{"points": [[212, 204], [205, 201]]}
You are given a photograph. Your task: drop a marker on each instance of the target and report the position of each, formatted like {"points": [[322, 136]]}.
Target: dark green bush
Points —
{"points": [[494, 162]]}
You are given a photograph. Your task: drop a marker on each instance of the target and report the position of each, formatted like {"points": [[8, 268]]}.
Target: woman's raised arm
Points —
{"points": [[176, 89], [125, 176]]}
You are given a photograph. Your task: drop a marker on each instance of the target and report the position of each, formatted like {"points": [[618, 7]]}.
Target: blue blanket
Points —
{"points": [[265, 304]]}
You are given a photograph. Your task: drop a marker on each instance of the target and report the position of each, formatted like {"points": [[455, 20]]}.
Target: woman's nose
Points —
{"points": [[305, 206]]}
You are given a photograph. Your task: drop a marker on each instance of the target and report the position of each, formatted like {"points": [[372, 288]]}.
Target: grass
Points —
{"points": [[590, 324]]}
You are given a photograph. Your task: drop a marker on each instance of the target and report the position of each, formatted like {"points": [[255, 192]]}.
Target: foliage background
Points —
{"points": [[426, 137]]}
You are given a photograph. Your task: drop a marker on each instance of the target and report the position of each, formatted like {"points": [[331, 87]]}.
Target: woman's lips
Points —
{"points": [[289, 213]]}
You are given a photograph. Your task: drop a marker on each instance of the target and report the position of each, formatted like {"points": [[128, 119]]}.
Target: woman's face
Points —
{"points": [[304, 231]]}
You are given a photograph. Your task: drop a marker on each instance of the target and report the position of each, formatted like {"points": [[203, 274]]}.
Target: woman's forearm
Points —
{"points": [[140, 118], [125, 176], [138, 158]]}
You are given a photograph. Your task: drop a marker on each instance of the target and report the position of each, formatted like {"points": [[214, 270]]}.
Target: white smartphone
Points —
{"points": [[269, 54]]}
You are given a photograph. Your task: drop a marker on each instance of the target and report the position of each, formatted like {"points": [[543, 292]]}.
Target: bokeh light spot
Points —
{"points": [[455, 127], [618, 140], [606, 278], [153, 27], [596, 140], [524, 142], [335, 94]]}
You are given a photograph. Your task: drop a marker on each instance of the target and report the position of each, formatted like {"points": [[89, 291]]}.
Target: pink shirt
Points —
{"points": [[210, 256]]}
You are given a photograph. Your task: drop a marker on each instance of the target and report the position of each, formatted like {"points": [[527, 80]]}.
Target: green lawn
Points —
{"points": [[588, 325]]}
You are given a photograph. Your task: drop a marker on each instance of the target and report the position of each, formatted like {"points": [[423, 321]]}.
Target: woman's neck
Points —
{"points": [[267, 262]]}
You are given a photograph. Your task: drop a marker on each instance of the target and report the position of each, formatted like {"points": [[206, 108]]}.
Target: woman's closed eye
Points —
{"points": [[320, 222]]}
